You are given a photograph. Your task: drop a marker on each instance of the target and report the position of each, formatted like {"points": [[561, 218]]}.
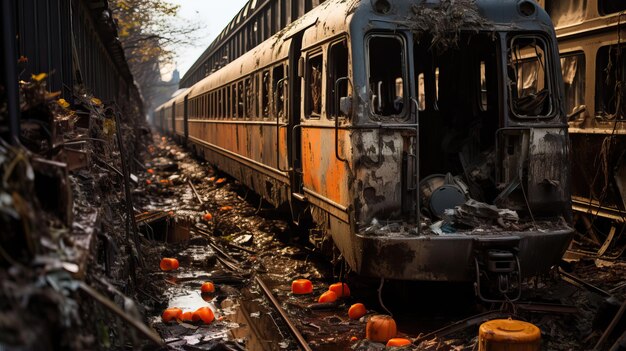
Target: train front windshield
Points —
{"points": [[466, 94]]}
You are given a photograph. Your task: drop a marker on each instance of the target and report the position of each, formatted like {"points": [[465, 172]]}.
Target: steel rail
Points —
{"points": [[292, 328]]}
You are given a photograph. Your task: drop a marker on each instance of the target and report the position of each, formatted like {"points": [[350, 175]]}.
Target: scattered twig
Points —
{"points": [[111, 306]]}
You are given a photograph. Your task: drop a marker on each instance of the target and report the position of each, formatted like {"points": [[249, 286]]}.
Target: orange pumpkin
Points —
{"points": [[203, 313], [211, 179], [220, 181], [148, 182], [150, 170], [207, 217], [328, 296], [226, 208], [354, 338], [187, 316], [340, 290], [207, 287], [171, 314], [398, 342], [380, 328], [357, 311], [168, 264], [301, 286]]}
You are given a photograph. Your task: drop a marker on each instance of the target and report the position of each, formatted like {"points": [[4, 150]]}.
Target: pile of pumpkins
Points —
{"points": [[172, 314], [379, 328]]}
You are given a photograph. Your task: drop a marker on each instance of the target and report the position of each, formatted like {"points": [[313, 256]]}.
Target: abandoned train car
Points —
{"points": [[592, 43], [419, 154]]}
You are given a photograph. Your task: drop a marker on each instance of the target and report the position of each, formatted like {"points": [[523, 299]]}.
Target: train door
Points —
{"points": [[298, 200]]}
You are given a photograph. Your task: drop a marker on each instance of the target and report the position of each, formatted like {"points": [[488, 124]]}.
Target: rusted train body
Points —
{"points": [[400, 141], [592, 43]]}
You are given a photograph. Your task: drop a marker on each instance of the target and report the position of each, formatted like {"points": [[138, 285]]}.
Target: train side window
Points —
{"points": [[573, 69], [386, 68], [265, 93], [421, 91], [279, 90], [220, 103], [566, 12], [240, 101], [610, 76], [337, 68], [255, 96], [313, 86], [529, 79], [606, 7], [249, 93], [483, 86], [234, 102], [229, 102]]}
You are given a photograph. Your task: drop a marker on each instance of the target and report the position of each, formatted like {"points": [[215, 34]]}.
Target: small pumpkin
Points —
{"points": [[226, 208], [353, 339], [148, 182], [204, 314], [380, 328], [357, 311], [169, 264], [220, 181], [171, 314], [301, 286], [328, 296], [398, 342], [207, 287], [207, 217], [187, 316], [150, 170], [341, 289]]}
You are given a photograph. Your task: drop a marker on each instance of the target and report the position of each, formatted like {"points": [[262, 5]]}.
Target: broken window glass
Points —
{"points": [[566, 12], [265, 94], [250, 98], [337, 68], [573, 69], [314, 86], [387, 85], [610, 78], [529, 78], [240, 101], [279, 90]]}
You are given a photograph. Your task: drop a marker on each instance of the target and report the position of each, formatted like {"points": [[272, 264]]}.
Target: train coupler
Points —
{"points": [[498, 277]]}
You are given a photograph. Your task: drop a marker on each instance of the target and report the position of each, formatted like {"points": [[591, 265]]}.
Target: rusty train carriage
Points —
{"points": [[337, 113], [591, 41]]}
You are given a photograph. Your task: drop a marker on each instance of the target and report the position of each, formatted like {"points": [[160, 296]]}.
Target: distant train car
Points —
{"points": [[411, 132], [592, 43]]}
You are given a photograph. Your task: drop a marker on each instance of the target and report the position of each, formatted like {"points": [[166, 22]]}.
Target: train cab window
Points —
{"points": [[240, 100], [528, 78], [337, 68], [265, 93], [607, 7], [279, 85], [610, 78], [313, 84], [573, 69], [386, 67]]}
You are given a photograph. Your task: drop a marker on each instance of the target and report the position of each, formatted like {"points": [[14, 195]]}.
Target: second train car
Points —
{"points": [[410, 131]]}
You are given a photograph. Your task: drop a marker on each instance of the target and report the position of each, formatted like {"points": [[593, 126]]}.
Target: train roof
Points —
{"points": [[334, 17]]}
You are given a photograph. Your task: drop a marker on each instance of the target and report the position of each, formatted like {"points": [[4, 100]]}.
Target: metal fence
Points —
{"points": [[75, 42]]}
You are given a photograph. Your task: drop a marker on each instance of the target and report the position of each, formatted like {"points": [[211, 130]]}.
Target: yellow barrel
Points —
{"points": [[508, 335]]}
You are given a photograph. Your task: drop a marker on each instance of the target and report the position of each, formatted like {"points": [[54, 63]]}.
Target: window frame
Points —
{"points": [[404, 114], [317, 52], [330, 86]]}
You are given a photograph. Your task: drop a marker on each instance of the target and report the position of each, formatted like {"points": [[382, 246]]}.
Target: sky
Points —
{"points": [[213, 16]]}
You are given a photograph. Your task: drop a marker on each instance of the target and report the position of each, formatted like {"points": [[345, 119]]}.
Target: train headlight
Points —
{"points": [[527, 8], [381, 6]]}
